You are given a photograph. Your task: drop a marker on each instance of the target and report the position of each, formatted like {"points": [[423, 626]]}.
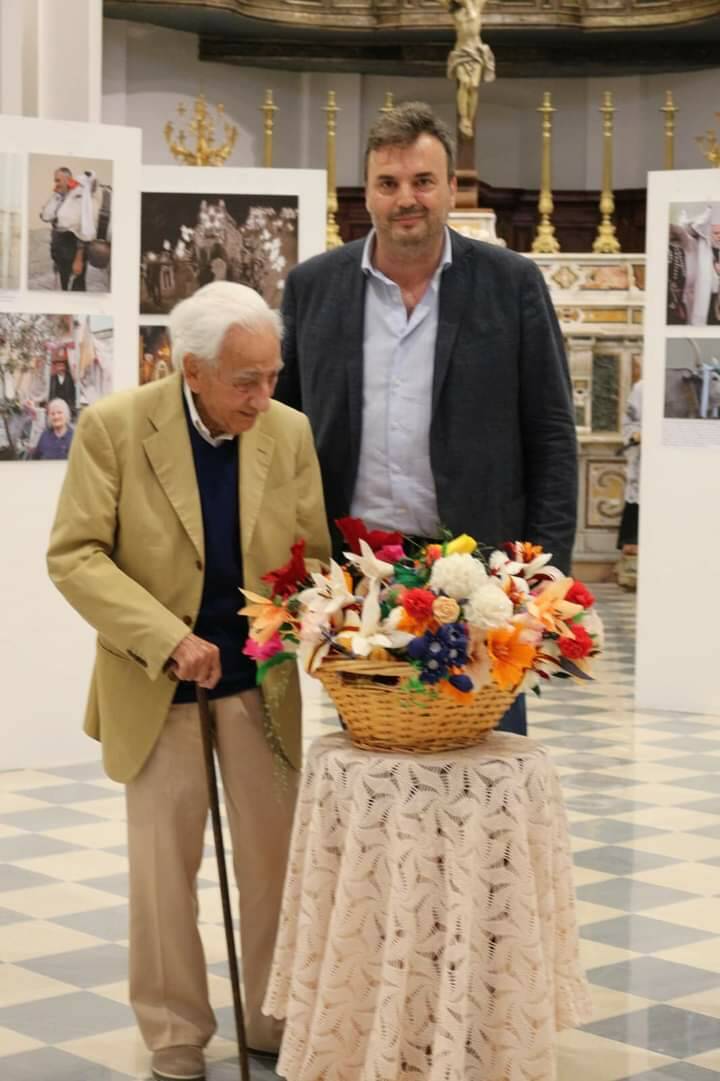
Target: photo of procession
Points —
{"points": [[70, 224], [10, 220], [51, 368], [693, 265], [154, 354], [189, 240]]}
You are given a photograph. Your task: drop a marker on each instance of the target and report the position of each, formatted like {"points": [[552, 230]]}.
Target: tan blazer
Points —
{"points": [[127, 552]]}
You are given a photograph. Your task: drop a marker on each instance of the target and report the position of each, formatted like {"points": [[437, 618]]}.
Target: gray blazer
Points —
{"points": [[502, 438]]}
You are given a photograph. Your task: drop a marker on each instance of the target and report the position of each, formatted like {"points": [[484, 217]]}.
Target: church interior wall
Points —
{"points": [[147, 70]]}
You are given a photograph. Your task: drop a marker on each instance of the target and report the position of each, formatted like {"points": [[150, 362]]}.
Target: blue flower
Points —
{"points": [[454, 637], [461, 683]]}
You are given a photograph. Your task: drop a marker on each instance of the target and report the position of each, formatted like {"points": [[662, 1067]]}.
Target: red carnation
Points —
{"points": [[418, 603], [578, 647], [354, 530], [285, 581], [580, 594]]}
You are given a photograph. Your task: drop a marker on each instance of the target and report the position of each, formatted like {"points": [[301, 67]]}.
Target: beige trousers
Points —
{"points": [[167, 806]]}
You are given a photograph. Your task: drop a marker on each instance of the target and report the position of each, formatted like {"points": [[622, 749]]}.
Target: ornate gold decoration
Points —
{"points": [[332, 233], [710, 145], [268, 109], [669, 109], [545, 242], [429, 14], [606, 242], [388, 105], [202, 127]]}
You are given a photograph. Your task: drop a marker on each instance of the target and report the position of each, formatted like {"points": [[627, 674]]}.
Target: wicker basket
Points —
{"points": [[383, 715]]}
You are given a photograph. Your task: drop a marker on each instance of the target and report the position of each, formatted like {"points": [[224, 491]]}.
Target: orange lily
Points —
{"points": [[551, 609], [267, 617], [510, 656]]}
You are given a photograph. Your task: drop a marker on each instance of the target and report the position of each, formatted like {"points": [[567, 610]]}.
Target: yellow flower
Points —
{"points": [[462, 545], [445, 609]]}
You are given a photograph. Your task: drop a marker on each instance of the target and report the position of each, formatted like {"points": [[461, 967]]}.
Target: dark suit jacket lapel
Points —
{"points": [[352, 312], [455, 291]]}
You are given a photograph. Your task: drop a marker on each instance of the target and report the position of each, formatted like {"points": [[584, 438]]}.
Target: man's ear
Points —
{"points": [[191, 370]]}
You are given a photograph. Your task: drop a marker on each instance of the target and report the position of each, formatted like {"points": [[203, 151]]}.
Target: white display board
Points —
{"points": [[678, 643], [46, 650]]}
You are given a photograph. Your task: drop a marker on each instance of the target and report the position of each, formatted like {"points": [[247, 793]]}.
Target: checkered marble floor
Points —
{"points": [[643, 796]]}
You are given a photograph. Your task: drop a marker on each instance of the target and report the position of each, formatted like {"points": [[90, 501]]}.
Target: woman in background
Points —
{"points": [[54, 443]]}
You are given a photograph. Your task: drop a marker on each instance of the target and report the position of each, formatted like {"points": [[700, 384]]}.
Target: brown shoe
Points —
{"points": [[178, 1064]]}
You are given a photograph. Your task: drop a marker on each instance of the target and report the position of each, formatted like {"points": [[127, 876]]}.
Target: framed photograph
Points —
{"points": [[11, 180], [188, 241], [154, 354], [243, 225], [692, 392], [693, 264], [51, 368], [70, 213]]}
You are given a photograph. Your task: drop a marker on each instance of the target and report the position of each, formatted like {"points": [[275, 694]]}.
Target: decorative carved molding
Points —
{"points": [[426, 14]]}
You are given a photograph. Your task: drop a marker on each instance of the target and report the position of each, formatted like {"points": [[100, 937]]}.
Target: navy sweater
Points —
{"points": [[216, 469]]}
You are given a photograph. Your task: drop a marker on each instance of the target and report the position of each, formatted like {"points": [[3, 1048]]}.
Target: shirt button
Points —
{"points": [[187, 620], [198, 564]]}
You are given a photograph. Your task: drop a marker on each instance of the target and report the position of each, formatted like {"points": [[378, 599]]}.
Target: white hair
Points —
{"points": [[199, 324], [62, 404]]}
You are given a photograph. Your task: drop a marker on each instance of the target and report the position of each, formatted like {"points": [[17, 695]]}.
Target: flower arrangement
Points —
{"points": [[461, 620]]}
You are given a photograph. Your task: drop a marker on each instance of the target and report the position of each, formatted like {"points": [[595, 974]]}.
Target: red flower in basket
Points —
{"points": [[580, 594], [354, 530], [578, 647], [287, 579]]}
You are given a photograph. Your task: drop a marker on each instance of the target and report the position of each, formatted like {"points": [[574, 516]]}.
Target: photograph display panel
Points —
{"points": [[70, 224], [680, 444]]}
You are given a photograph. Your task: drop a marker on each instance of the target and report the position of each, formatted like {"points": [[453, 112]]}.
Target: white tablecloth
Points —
{"points": [[428, 927]]}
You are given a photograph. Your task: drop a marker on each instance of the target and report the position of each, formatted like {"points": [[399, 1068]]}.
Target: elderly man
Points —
{"points": [[432, 366], [178, 493]]}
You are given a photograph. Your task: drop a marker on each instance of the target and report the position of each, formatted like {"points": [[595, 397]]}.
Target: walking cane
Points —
{"points": [[206, 726]]}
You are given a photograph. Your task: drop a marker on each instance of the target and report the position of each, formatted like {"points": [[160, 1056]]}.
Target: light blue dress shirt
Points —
{"points": [[395, 488]]}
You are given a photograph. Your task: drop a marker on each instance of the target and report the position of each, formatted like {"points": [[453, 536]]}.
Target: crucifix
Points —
{"points": [[470, 63]]}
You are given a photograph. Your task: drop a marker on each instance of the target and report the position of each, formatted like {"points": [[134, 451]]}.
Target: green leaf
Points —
{"points": [[278, 658]]}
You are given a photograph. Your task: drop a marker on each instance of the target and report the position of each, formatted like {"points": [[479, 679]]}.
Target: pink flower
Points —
{"points": [[391, 553], [260, 653]]}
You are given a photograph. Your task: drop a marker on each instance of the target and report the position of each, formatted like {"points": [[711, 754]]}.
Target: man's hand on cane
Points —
{"points": [[197, 661]]}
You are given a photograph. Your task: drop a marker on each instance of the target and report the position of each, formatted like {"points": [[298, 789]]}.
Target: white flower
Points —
{"points": [[330, 593], [489, 606], [368, 564], [458, 575]]}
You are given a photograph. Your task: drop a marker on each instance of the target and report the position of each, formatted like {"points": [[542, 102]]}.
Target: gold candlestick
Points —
{"points": [[388, 106], [332, 233], [202, 127], [545, 241], [268, 109], [710, 145], [606, 242], [669, 109]]}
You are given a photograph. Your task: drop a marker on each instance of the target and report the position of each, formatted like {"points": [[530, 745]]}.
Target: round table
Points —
{"points": [[428, 925]]}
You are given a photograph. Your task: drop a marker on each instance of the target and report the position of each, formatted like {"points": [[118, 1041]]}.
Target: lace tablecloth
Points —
{"points": [[428, 927]]}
